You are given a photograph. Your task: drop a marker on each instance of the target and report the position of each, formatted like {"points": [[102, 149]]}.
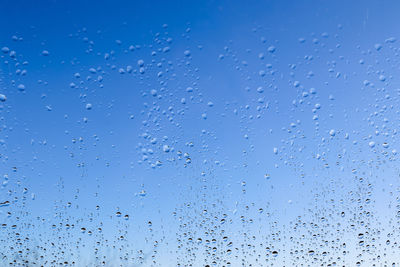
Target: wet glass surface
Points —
{"points": [[199, 133]]}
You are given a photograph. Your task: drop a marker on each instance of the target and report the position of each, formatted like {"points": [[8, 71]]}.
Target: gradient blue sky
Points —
{"points": [[337, 60]]}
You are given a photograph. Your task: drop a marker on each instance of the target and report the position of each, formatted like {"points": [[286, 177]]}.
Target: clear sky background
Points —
{"points": [[221, 133]]}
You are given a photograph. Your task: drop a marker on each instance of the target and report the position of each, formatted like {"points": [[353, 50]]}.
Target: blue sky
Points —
{"points": [[268, 124]]}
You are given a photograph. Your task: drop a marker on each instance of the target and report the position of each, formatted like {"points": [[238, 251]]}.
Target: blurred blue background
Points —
{"points": [[268, 124]]}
